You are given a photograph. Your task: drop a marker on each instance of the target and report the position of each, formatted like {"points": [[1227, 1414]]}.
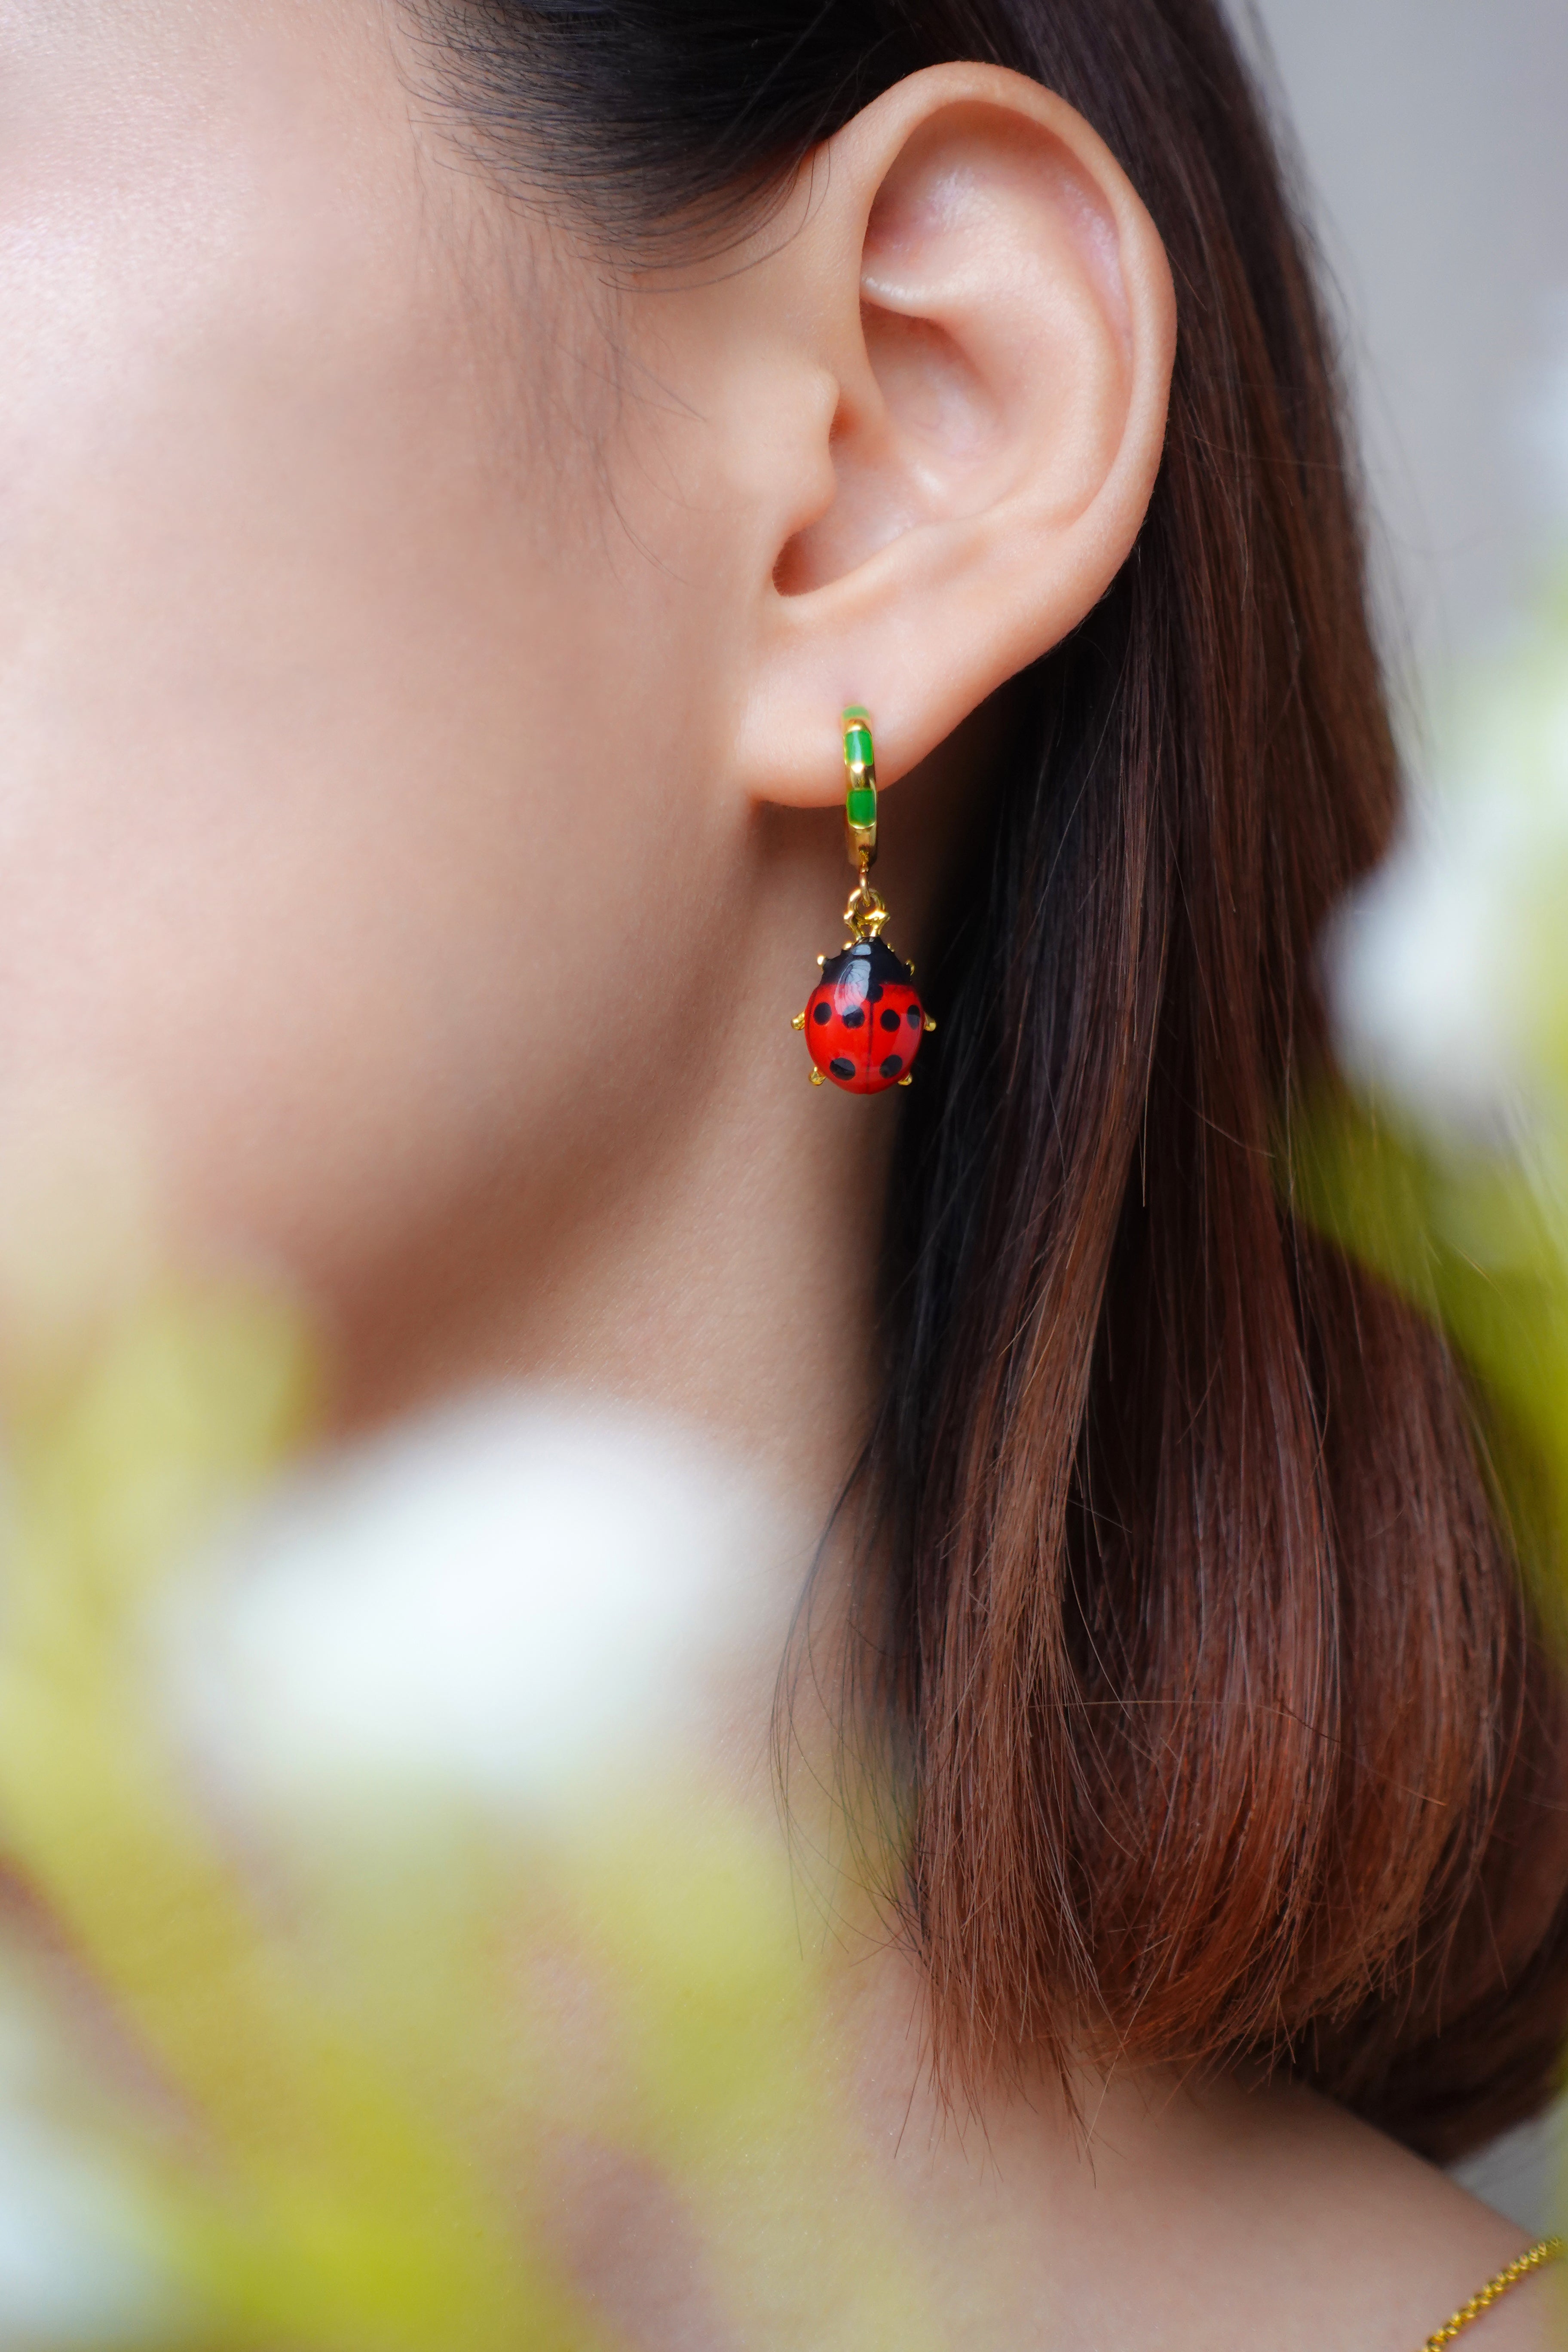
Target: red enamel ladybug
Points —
{"points": [[864, 1021]]}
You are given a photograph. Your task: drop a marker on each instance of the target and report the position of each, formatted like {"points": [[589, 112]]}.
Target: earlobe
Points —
{"points": [[995, 307]]}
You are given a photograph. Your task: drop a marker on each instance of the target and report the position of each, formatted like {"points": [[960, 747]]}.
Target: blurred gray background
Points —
{"points": [[1433, 136], [1433, 140]]}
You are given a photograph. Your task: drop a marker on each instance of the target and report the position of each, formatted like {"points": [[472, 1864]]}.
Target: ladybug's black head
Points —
{"points": [[867, 960]]}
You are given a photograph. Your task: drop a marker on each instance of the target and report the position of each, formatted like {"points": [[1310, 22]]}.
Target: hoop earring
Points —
{"points": [[863, 1020]]}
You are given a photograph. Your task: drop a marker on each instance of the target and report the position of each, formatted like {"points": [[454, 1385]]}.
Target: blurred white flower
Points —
{"points": [[500, 1603], [76, 2265], [1447, 970], [1416, 965], [78, 2251]]}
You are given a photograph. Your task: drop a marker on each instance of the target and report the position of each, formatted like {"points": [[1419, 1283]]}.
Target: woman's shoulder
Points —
{"points": [[1340, 2238], [1230, 2220], [1184, 2217]]}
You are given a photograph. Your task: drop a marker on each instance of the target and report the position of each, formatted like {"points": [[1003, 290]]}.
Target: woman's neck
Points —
{"points": [[716, 1261]]}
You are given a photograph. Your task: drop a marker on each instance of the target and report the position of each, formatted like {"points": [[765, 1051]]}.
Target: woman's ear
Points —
{"points": [[970, 330]]}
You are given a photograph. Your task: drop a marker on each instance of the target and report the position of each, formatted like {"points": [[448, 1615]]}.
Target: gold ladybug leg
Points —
{"points": [[909, 1080], [930, 1025], [818, 1080], [799, 1021]]}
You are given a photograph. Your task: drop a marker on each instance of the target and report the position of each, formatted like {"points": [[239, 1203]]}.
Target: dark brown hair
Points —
{"points": [[1227, 1729]]}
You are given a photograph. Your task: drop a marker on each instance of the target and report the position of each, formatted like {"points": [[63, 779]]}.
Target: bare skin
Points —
{"points": [[419, 671]]}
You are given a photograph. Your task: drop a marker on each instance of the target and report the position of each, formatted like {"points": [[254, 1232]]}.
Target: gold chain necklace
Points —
{"points": [[1547, 2251]]}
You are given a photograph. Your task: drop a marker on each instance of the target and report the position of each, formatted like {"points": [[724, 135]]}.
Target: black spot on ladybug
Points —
{"points": [[890, 1019], [874, 992], [853, 1019], [914, 1017], [822, 1016], [891, 1066], [840, 1067]]}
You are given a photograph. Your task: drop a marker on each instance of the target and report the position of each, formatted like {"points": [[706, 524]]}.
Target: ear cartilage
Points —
{"points": [[863, 1020]]}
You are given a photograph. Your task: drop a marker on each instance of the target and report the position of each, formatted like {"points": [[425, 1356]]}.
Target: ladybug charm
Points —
{"points": [[863, 1020]]}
